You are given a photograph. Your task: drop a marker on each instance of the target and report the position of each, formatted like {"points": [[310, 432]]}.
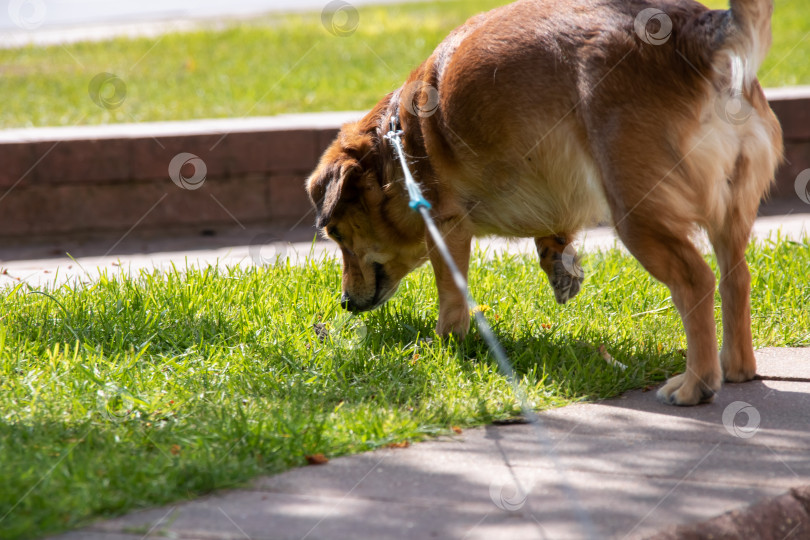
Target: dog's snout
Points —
{"points": [[347, 303]]}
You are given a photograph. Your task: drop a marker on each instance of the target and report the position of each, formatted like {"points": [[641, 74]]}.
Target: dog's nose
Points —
{"points": [[347, 303]]}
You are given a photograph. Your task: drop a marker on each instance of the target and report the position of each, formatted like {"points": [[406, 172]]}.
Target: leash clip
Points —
{"points": [[394, 133], [417, 200]]}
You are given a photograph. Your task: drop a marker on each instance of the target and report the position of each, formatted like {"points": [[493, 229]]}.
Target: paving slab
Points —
{"points": [[635, 466], [784, 364], [83, 262]]}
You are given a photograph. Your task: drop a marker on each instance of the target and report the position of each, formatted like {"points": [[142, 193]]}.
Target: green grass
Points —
{"points": [[140, 391], [278, 64]]}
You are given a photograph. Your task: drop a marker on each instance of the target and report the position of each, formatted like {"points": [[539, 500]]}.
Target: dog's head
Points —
{"points": [[360, 206]]}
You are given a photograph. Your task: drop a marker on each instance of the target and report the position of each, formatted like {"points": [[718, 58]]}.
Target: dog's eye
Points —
{"points": [[332, 232]]}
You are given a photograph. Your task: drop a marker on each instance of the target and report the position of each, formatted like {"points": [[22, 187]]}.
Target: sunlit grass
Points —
{"points": [[279, 64]]}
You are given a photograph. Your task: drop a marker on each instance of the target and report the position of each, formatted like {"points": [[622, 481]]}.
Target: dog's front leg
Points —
{"points": [[454, 314]]}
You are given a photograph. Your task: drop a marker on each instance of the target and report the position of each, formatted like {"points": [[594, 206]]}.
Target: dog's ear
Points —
{"points": [[328, 188], [338, 178]]}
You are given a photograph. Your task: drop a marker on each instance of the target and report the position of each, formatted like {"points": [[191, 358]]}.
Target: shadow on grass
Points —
{"points": [[578, 367]]}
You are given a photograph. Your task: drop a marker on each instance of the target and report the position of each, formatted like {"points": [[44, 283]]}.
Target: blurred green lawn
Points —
{"points": [[278, 64]]}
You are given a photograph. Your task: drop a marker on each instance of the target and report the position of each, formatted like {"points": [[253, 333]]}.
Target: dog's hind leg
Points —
{"points": [[668, 254], [560, 262], [730, 239], [737, 353]]}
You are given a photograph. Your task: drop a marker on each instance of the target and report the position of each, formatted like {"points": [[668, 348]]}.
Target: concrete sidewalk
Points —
{"points": [[635, 466], [40, 266]]}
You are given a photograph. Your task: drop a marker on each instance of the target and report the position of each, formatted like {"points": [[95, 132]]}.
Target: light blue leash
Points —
{"points": [[419, 203]]}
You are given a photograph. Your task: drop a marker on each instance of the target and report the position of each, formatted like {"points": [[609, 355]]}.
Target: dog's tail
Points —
{"points": [[748, 39]]}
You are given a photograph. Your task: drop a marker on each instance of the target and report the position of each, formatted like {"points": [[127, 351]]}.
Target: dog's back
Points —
{"points": [[539, 105]]}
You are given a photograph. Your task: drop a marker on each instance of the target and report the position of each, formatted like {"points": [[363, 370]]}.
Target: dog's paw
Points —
{"points": [[560, 261], [453, 321], [566, 278], [739, 375], [684, 391], [738, 369]]}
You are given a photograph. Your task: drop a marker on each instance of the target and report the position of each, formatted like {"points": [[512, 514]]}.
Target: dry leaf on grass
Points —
{"points": [[321, 331], [402, 444], [317, 459]]}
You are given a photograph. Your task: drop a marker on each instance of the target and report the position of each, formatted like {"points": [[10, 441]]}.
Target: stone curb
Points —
{"points": [[109, 180], [781, 518]]}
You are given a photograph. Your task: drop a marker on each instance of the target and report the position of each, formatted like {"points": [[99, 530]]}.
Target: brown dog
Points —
{"points": [[542, 117]]}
